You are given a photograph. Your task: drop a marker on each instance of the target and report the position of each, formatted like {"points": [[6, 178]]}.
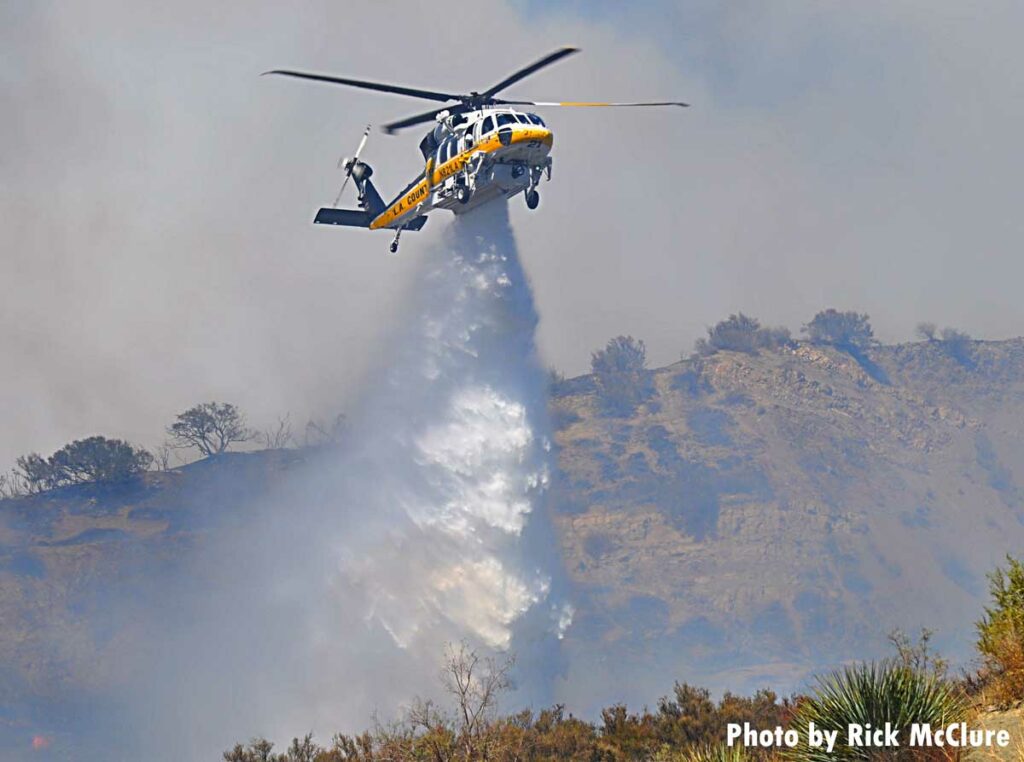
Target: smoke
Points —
{"points": [[156, 191], [333, 602]]}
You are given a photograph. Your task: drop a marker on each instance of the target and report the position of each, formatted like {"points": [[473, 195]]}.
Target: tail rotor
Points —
{"points": [[349, 165]]}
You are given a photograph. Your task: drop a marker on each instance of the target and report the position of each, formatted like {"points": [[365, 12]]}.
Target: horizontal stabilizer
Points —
{"points": [[347, 217], [353, 219]]}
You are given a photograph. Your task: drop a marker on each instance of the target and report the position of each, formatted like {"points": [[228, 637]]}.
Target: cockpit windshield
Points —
{"points": [[535, 119]]}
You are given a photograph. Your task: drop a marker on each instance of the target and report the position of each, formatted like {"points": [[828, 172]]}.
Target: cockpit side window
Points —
{"points": [[522, 118], [504, 119]]}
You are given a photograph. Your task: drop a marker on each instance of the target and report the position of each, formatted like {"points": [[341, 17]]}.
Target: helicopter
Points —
{"points": [[480, 149]]}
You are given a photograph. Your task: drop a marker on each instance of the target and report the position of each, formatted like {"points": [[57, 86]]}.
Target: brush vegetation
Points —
{"points": [[1001, 636], [742, 333], [94, 459], [689, 726]]}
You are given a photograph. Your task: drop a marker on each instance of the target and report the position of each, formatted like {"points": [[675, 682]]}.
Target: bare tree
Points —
{"points": [[919, 656], [475, 682], [211, 428], [324, 433], [302, 750], [279, 437], [13, 484], [926, 331], [259, 750], [36, 472], [162, 456]]}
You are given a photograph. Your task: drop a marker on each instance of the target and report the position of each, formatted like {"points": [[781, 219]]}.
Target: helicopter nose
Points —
{"points": [[545, 137]]}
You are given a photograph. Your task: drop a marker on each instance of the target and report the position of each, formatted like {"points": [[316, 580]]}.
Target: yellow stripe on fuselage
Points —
{"points": [[421, 190]]}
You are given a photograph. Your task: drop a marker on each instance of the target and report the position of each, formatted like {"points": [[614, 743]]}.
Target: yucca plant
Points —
{"points": [[875, 693], [707, 753], [717, 753]]}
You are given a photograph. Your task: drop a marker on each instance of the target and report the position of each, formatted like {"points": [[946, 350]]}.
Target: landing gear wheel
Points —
{"points": [[394, 243], [462, 194], [532, 199]]}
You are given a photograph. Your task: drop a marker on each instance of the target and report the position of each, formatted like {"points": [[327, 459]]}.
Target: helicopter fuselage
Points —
{"points": [[487, 155]]}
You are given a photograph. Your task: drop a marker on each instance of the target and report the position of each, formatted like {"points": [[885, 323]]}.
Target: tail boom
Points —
{"points": [[371, 213]]}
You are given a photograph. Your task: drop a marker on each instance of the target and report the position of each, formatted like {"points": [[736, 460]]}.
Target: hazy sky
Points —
{"points": [[156, 194]]}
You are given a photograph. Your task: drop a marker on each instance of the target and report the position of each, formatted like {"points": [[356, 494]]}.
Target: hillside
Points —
{"points": [[77, 563], [758, 516], [763, 514]]}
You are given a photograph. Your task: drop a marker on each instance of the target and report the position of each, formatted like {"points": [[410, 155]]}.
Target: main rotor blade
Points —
{"points": [[398, 89], [587, 104], [426, 116], [523, 73]]}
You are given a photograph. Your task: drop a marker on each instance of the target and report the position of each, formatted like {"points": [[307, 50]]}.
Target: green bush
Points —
{"points": [[958, 345], [849, 331], [98, 459], [619, 374], [1001, 635], [741, 333], [874, 693], [94, 459]]}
